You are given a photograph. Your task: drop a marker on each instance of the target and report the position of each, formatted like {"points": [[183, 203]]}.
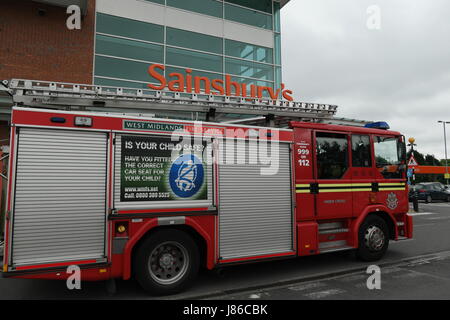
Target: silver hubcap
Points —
{"points": [[374, 238], [168, 262]]}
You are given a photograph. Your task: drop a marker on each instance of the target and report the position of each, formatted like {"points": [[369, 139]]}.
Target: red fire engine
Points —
{"points": [[121, 195]]}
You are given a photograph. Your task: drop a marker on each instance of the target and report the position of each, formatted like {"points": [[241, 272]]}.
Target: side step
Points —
{"points": [[334, 246], [328, 231]]}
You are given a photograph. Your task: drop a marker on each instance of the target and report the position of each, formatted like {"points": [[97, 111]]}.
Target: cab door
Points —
{"points": [[332, 176], [390, 174]]}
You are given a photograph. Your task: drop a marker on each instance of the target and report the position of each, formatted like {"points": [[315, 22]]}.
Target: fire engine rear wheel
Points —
{"points": [[167, 262], [373, 239]]}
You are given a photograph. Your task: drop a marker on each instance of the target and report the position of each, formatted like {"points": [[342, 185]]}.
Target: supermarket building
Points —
{"points": [[120, 39]]}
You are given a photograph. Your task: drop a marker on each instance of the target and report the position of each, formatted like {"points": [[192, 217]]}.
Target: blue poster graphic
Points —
{"points": [[186, 175]]}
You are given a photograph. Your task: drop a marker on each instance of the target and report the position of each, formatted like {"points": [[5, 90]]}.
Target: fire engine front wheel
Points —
{"points": [[373, 239], [167, 262]]}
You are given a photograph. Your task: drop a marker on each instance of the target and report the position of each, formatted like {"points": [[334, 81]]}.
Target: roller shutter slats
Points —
{"points": [[255, 215], [59, 209]]}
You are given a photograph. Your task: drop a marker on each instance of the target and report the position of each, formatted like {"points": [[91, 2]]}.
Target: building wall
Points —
{"points": [[211, 37], [40, 47]]}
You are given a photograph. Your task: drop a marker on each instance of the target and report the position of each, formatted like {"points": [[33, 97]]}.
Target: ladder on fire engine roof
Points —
{"points": [[115, 100]]}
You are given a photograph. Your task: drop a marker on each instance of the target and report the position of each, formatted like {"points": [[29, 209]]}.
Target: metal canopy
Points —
{"points": [[65, 3], [69, 96]]}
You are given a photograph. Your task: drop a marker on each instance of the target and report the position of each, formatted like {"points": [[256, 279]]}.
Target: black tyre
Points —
{"points": [[448, 199], [373, 239], [428, 199], [167, 262]]}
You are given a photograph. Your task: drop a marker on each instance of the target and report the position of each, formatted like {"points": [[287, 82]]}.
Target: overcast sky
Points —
{"points": [[400, 73]]}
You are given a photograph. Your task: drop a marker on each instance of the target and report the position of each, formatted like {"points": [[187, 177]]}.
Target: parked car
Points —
{"points": [[429, 191]]}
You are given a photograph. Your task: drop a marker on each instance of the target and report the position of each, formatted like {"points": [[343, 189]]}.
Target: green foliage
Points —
{"points": [[427, 160]]}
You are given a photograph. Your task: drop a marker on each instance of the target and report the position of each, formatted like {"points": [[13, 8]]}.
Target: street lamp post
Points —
{"points": [[445, 144]]}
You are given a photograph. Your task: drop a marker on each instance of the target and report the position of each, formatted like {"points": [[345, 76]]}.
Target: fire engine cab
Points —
{"points": [[120, 194]]}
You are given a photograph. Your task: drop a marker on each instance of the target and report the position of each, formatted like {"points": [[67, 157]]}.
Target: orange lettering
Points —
{"points": [[198, 84], [287, 93], [179, 81], [217, 84], [157, 76], [229, 84], [188, 80], [253, 89], [227, 87], [273, 95]]}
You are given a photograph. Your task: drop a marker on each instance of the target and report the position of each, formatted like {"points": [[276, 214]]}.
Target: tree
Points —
{"points": [[427, 160]]}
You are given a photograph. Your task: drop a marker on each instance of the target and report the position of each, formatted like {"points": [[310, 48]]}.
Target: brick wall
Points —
{"points": [[40, 47]]}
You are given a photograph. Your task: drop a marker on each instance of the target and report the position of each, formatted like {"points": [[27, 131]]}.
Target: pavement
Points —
{"points": [[431, 242], [424, 278]]}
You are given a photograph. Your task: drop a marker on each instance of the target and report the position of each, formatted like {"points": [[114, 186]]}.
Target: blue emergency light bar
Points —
{"points": [[378, 125]]}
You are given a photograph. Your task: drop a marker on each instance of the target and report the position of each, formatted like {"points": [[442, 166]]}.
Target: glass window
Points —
{"points": [[278, 78], [389, 157], [250, 82], [129, 49], [122, 69], [332, 155], [129, 28], [118, 83], [248, 51], [209, 7], [248, 69], [361, 155], [193, 40], [247, 16], [196, 60], [276, 16], [261, 5], [277, 42]]}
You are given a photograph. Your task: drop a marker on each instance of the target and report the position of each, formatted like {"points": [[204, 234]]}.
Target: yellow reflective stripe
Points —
{"points": [[302, 185], [339, 190], [335, 184], [392, 189], [361, 184], [391, 184]]}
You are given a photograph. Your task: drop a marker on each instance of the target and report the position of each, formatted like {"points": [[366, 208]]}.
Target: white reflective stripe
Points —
{"points": [[164, 221]]}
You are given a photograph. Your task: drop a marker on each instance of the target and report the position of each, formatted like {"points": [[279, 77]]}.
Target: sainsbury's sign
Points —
{"points": [[188, 83]]}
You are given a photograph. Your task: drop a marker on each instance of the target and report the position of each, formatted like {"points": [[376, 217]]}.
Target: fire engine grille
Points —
{"points": [[255, 210], [59, 205]]}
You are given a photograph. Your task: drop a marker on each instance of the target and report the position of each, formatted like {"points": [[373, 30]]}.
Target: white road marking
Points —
{"points": [[421, 213], [307, 286], [324, 294]]}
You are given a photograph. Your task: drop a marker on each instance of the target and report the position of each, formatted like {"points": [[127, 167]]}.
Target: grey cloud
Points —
{"points": [[400, 73]]}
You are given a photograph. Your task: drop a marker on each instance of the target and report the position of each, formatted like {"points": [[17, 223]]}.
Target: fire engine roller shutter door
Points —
{"points": [[60, 196], [255, 211]]}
